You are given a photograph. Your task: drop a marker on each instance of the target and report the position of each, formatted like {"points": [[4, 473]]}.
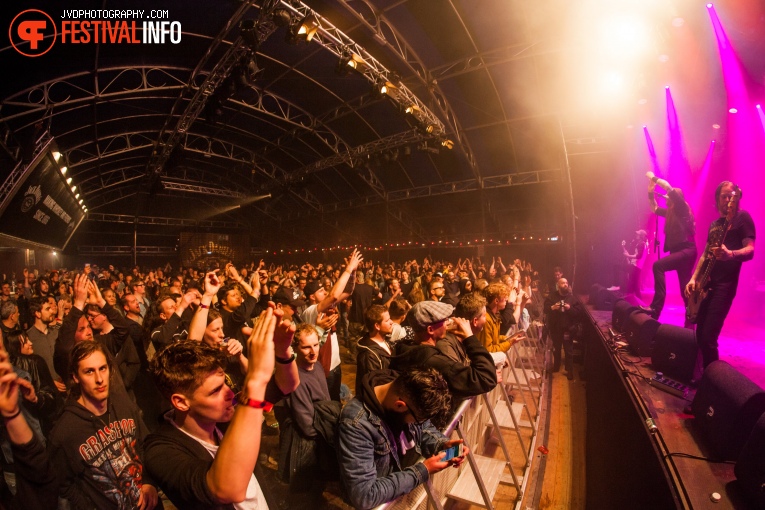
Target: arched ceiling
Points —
{"points": [[341, 164]]}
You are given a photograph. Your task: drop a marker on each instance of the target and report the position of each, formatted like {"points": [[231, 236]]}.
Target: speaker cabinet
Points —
{"points": [[750, 468], [640, 333], [621, 314], [726, 407], [675, 351]]}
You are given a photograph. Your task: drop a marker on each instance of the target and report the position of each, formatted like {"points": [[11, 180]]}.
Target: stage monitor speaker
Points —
{"points": [[640, 332], [621, 314], [750, 468], [726, 407], [601, 298], [675, 351]]}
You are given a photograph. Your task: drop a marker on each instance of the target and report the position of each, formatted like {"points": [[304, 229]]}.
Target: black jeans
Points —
{"points": [[681, 261], [712, 313]]}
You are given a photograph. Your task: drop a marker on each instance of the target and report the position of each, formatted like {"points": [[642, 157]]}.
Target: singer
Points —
{"points": [[679, 241]]}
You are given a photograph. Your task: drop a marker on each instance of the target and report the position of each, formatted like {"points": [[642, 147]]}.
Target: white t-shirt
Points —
{"points": [[255, 499], [310, 315]]}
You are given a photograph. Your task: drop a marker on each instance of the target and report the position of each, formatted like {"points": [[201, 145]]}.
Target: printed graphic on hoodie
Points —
{"points": [[111, 453]]}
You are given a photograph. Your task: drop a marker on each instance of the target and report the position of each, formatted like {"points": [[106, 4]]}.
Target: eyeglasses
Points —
{"points": [[92, 317], [417, 419]]}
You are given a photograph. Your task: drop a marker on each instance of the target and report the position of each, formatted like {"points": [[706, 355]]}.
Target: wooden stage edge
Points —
{"points": [[693, 482]]}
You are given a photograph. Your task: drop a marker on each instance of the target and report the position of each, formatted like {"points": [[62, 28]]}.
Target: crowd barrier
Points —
{"points": [[514, 405]]}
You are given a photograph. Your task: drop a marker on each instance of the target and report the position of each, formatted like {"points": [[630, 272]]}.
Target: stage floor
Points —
{"points": [[742, 342], [741, 345]]}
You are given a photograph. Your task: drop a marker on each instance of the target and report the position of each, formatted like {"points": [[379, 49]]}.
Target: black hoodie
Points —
{"points": [[98, 459]]}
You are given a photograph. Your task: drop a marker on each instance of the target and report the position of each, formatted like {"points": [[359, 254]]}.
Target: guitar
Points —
{"points": [[698, 296]]}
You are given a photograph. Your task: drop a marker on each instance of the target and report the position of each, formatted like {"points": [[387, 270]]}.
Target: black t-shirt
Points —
{"points": [[742, 227], [680, 226], [361, 299]]}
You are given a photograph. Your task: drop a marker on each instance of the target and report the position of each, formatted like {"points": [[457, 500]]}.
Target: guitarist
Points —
{"points": [[737, 247], [679, 241]]}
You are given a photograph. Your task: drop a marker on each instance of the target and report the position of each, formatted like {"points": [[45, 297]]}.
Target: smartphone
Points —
{"points": [[455, 451]]}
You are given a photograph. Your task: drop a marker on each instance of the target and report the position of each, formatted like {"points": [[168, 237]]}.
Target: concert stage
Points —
{"points": [[628, 465]]}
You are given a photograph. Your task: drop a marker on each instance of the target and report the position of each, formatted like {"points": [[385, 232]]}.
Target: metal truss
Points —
{"points": [[9, 188], [497, 181], [356, 156], [127, 250], [108, 84], [386, 34], [489, 59], [164, 222], [169, 137], [334, 40], [202, 190]]}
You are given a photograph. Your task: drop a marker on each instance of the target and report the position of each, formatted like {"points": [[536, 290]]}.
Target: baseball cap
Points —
{"points": [[287, 296], [311, 287]]}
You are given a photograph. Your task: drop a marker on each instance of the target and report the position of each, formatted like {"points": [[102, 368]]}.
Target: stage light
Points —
{"points": [[624, 34], [715, 126], [54, 253], [69, 180], [63, 170], [709, 6], [281, 18], [77, 195], [81, 201], [303, 30], [448, 144], [56, 156], [666, 87], [758, 107], [74, 188], [412, 109], [733, 110]]}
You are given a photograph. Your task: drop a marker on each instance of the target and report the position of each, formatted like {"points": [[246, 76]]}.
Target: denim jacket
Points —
{"points": [[369, 462]]}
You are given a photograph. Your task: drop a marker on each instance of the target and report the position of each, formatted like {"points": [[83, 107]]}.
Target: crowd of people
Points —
{"points": [[119, 388]]}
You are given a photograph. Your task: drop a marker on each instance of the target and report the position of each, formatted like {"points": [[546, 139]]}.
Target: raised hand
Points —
{"points": [[212, 284]]}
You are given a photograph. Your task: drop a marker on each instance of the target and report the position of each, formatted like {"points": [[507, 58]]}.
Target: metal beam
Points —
{"points": [[162, 221], [126, 250], [202, 190]]}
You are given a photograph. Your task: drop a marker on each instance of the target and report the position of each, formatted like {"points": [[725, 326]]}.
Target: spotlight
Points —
{"points": [[666, 87], [56, 156], [282, 18], [350, 61], [715, 126], [69, 180], [733, 110], [248, 31], [448, 144], [758, 107], [709, 6], [63, 170], [77, 195], [74, 188], [412, 109], [383, 87], [54, 253], [81, 201], [304, 30]]}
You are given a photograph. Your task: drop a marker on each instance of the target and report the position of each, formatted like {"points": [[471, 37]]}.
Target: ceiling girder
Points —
{"points": [[162, 221]]}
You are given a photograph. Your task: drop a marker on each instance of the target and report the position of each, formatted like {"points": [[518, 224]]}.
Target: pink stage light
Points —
{"points": [[733, 110]]}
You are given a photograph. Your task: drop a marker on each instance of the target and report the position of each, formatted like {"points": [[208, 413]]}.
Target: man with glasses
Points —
{"points": [[139, 291], [436, 290], [385, 431], [730, 250]]}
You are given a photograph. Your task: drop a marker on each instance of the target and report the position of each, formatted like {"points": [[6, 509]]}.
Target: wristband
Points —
{"points": [[286, 361], [258, 404], [18, 412], [202, 305]]}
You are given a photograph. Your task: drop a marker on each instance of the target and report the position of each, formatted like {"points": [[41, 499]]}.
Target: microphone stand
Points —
{"points": [[656, 242]]}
